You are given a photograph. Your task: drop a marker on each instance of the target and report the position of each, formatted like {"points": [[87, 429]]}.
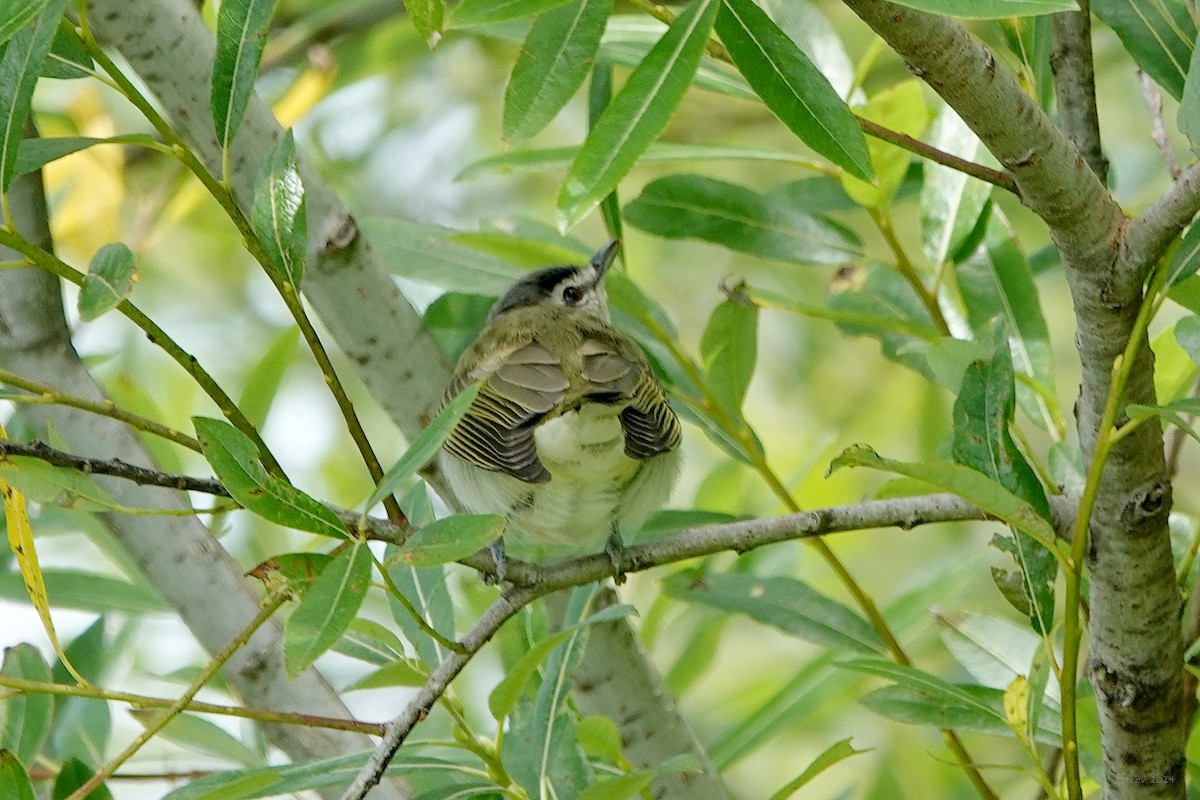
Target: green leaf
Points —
{"points": [[879, 303], [68, 57], [1188, 116], [951, 201], [1176, 412], [14, 780], [621, 787], [786, 604], [82, 725], [729, 350], [993, 650], [199, 735], [25, 718], [1186, 258], [428, 17], [395, 673], [638, 114], [327, 609], [694, 207], [969, 484], [241, 35], [629, 38], [84, 591], [913, 678], [371, 642], [504, 697], [559, 158], [455, 319], [996, 282], [20, 66], [839, 751], [279, 215], [990, 9], [36, 153], [696, 654], [264, 378], [540, 750], [429, 254], [1159, 36], [983, 413], [791, 86], [234, 459], [901, 107], [489, 12], [51, 485], [554, 60], [450, 539], [72, 775], [423, 448], [109, 280], [16, 15]]}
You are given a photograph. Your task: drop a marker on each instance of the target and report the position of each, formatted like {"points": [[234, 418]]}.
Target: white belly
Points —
{"points": [[593, 487]]}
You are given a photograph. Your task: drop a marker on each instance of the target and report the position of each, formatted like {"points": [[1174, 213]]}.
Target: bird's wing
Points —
{"points": [[523, 383], [617, 371]]}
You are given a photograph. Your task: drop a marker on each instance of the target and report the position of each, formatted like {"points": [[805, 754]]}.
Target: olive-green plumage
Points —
{"points": [[571, 436]]}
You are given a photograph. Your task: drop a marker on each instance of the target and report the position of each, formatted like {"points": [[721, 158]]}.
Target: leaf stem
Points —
{"points": [[904, 266], [51, 263], [26, 686], [222, 192], [44, 393], [429, 630]]}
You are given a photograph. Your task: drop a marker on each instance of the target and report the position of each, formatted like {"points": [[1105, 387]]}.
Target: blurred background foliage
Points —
{"points": [[400, 130]]}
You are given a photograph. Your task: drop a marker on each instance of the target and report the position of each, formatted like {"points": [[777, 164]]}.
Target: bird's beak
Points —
{"points": [[604, 259]]}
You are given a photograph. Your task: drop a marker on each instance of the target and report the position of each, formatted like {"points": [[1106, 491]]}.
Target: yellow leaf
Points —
{"points": [[20, 540], [1016, 704]]}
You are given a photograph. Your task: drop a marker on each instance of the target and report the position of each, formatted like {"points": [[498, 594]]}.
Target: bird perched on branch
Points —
{"points": [[570, 437]]}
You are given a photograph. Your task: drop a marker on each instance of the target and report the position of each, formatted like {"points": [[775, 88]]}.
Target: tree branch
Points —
{"points": [[1075, 85], [1148, 234], [112, 466]]}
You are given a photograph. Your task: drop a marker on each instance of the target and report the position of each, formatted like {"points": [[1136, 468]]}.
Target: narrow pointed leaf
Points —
{"points": [[14, 780], [768, 226], [791, 86], [20, 66], [68, 57], [638, 114], [489, 12], [729, 350], [71, 776], [839, 751], [234, 459], [951, 201], [554, 61], [36, 153], [997, 282], [279, 214], [786, 604], [110, 279], [241, 35], [969, 484], [1159, 36], [16, 14], [327, 609], [425, 445], [983, 413], [25, 725], [430, 254], [503, 698], [450, 539]]}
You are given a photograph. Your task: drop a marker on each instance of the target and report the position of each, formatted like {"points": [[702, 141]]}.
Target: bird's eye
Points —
{"points": [[572, 295]]}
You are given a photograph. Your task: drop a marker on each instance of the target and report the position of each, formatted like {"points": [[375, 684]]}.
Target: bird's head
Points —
{"points": [[565, 286]]}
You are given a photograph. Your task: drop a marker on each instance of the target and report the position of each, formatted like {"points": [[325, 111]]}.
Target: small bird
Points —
{"points": [[570, 437]]}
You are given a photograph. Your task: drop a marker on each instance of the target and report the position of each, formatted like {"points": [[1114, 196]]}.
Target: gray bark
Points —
{"points": [[177, 555], [1134, 640]]}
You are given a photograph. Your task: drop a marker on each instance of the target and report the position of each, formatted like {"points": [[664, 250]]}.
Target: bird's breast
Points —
{"points": [[587, 444]]}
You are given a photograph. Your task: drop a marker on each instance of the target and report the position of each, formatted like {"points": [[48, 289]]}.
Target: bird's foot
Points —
{"points": [[615, 550], [500, 560]]}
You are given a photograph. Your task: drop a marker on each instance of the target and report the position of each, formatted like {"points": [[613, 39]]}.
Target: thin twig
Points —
{"points": [[26, 686], [43, 393], [397, 730], [111, 466], [1158, 128], [1000, 178], [210, 669]]}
